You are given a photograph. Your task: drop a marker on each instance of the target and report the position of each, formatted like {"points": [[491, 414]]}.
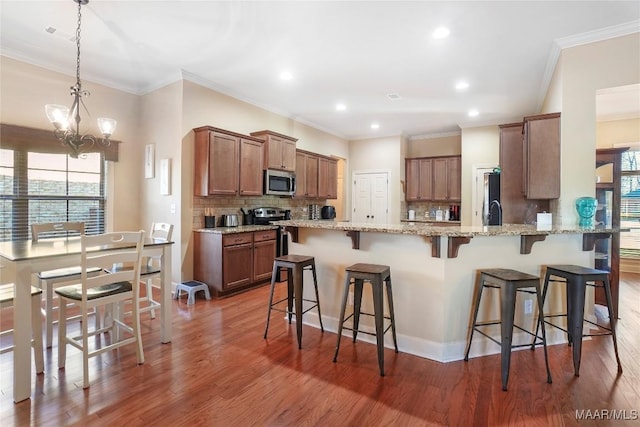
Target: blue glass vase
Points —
{"points": [[586, 207]]}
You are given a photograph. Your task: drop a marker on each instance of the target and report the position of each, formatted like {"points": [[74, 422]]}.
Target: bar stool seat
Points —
{"points": [[509, 282], [577, 278], [295, 265], [377, 275]]}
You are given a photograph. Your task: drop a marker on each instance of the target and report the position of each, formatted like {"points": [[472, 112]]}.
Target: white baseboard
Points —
{"points": [[440, 352]]}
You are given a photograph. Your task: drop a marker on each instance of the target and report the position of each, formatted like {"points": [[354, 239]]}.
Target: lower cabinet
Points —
{"points": [[228, 263]]}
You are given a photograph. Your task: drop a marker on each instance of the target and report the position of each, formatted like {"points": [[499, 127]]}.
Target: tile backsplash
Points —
{"points": [[231, 205]]}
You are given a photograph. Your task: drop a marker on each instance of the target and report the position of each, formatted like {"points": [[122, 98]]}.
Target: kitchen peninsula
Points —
{"points": [[433, 271]]}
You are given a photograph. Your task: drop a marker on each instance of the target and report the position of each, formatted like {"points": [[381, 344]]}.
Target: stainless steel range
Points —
{"points": [[264, 216]]}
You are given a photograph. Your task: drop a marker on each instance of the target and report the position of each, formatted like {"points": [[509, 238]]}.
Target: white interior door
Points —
{"points": [[371, 197]]}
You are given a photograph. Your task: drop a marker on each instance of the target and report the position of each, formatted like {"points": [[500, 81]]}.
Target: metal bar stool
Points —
{"points": [[295, 264], [509, 282], [377, 275], [576, 279]]}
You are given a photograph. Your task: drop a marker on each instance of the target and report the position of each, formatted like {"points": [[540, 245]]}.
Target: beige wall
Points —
{"points": [[436, 146], [160, 124], [25, 89], [480, 148], [584, 70], [616, 133], [380, 155]]}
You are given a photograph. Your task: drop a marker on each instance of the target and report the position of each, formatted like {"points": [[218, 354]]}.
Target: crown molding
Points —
{"points": [[579, 40]]}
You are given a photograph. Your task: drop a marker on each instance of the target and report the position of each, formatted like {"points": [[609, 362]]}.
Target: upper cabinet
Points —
{"points": [[541, 156], [418, 179], [279, 150], [327, 178], [316, 176], [433, 178], [446, 178], [227, 163]]}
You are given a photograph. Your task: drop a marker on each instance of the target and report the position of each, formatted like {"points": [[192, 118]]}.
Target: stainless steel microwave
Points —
{"points": [[279, 183]]}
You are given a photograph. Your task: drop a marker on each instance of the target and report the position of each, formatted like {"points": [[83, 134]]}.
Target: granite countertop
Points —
{"points": [[425, 229], [238, 229], [426, 221]]}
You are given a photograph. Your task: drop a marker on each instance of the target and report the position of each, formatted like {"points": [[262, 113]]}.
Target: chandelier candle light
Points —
{"points": [[63, 118]]}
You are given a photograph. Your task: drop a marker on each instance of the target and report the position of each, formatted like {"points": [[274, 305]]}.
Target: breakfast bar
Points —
{"points": [[434, 269]]}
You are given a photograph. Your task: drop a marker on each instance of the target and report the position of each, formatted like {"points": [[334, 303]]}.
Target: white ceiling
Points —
{"points": [[353, 52]]}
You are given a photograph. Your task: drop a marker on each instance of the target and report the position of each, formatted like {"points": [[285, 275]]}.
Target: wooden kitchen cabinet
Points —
{"points": [[541, 156], [607, 251], [306, 174], [327, 178], [237, 256], [418, 179], [227, 163], [433, 178], [279, 150], [264, 250], [251, 167], [228, 263], [446, 178], [516, 208]]}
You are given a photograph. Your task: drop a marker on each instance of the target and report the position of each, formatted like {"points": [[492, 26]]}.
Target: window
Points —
{"points": [[630, 204], [48, 187]]}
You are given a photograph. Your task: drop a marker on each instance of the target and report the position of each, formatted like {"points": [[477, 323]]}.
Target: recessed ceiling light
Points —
{"points": [[394, 96], [441, 32], [286, 75], [473, 113], [375, 126], [341, 107], [462, 85]]}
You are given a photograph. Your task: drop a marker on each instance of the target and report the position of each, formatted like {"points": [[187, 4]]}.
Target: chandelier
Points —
{"points": [[66, 121]]}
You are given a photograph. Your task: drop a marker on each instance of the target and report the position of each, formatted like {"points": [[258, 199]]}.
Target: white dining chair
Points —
{"points": [[7, 300], [51, 279], [110, 290], [151, 267]]}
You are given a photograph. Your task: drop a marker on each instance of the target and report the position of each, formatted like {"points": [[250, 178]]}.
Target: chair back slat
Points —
{"points": [[102, 251], [56, 229], [161, 230]]}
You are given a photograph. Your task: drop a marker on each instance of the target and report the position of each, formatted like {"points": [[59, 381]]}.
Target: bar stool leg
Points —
{"points": [[297, 291], [570, 313], [541, 321], [612, 321], [343, 308], [290, 290], [358, 284], [576, 310], [273, 284], [507, 304], [479, 286], [391, 313], [315, 285], [378, 309], [540, 324]]}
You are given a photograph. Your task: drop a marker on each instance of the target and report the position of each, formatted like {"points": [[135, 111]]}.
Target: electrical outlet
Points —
{"points": [[528, 306]]}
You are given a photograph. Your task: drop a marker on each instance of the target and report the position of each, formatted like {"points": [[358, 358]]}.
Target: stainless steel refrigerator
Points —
{"points": [[491, 208]]}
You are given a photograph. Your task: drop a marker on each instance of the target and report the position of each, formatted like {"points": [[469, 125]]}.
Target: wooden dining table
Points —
{"points": [[25, 257]]}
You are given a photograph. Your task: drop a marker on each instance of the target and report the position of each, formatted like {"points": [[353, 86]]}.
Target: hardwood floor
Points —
{"points": [[218, 370]]}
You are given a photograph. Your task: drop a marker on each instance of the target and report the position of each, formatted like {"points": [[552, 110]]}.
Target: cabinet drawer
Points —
{"points": [[261, 236], [237, 239]]}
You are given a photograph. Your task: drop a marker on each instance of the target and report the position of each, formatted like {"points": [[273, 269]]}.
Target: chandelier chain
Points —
{"points": [[78, 44]]}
